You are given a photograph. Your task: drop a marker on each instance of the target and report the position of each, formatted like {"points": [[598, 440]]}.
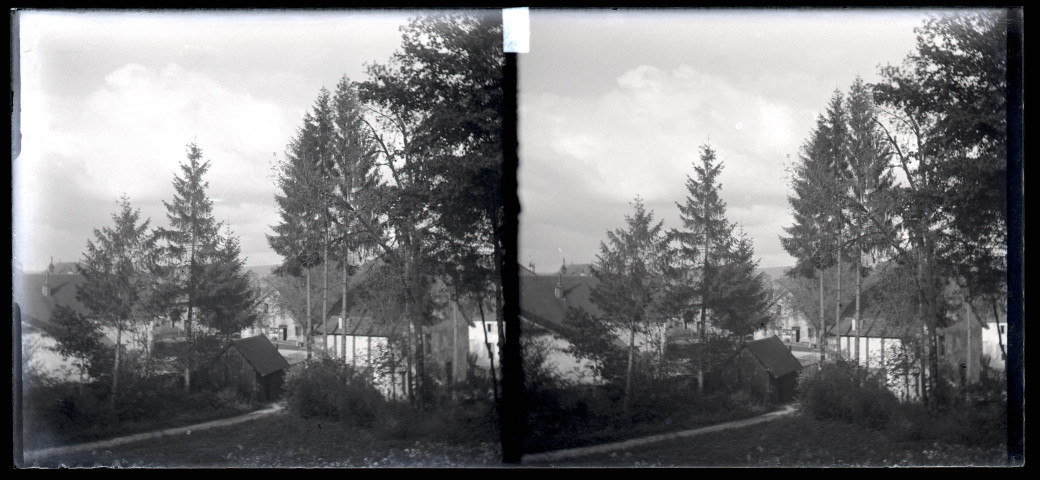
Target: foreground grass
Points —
{"points": [[284, 440], [615, 429], [800, 441], [41, 430]]}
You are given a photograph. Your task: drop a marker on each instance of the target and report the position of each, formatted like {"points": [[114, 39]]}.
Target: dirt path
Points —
{"points": [[547, 457], [31, 455]]}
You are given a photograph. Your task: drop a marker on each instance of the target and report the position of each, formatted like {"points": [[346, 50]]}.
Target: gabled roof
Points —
{"points": [[36, 308], [774, 356], [539, 304], [261, 354]]}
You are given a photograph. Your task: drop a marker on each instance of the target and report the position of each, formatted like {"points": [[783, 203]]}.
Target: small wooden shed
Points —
{"points": [[255, 367], [767, 368]]}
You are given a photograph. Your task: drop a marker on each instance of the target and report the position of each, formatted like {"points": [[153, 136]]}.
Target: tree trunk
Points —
{"points": [[325, 300], [412, 283], [491, 354], [628, 371], [1000, 340], [837, 307], [859, 289], [343, 314], [454, 349], [883, 366], [115, 369], [307, 333], [702, 353], [866, 358], [966, 379], [191, 347], [823, 322]]}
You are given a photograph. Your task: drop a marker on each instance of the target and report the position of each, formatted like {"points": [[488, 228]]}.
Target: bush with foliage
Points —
{"points": [[61, 413], [326, 388], [844, 390]]}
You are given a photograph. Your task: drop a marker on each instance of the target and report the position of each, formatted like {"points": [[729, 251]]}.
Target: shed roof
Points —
{"points": [[774, 356], [261, 354]]}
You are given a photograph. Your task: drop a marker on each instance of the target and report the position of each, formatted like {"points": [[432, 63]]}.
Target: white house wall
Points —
{"points": [[39, 350], [570, 368], [362, 351], [869, 349], [992, 338], [477, 345]]}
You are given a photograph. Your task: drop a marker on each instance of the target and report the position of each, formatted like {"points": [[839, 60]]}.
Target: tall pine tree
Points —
{"points": [[703, 245], [811, 239], [631, 270], [871, 185], [743, 298], [116, 278], [187, 248]]}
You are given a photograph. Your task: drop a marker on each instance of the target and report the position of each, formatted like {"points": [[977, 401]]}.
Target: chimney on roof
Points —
{"points": [[530, 265]]}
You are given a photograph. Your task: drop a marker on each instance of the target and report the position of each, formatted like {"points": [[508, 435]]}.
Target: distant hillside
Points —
{"points": [[774, 273], [262, 271]]}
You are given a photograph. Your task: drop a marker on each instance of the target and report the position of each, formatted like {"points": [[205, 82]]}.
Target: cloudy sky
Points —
{"points": [[615, 104], [109, 101]]}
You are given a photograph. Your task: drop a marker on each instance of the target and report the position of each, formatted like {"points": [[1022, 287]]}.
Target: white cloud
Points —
{"points": [[641, 139], [129, 137]]}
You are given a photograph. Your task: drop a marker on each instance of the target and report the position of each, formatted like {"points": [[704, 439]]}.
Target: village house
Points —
{"points": [[544, 302], [366, 338], [252, 366], [766, 369], [38, 294], [968, 345], [366, 342], [275, 320], [790, 325]]}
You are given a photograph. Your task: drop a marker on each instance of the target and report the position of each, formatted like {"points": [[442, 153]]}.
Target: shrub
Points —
{"points": [[328, 389], [978, 419], [846, 391]]}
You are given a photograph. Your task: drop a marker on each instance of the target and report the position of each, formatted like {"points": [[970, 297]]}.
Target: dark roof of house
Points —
{"points": [[261, 354], [873, 321], [361, 326], [36, 308], [539, 304], [774, 356]]}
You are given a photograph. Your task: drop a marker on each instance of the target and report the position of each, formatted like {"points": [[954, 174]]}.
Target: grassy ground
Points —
{"points": [[285, 440], [52, 426], [798, 441], [611, 430]]}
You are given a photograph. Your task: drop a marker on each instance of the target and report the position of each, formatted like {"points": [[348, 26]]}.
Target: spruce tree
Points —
{"points": [[811, 238], [871, 184], [743, 298], [234, 300], [703, 244], [116, 278], [631, 271], [186, 251], [301, 236]]}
